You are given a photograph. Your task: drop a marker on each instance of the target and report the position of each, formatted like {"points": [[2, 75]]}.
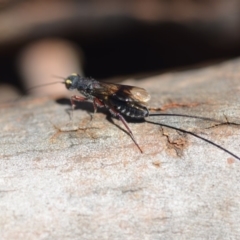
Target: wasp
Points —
{"points": [[120, 100], [123, 101]]}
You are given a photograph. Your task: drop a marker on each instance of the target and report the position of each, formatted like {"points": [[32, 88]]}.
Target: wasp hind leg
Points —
{"points": [[119, 116]]}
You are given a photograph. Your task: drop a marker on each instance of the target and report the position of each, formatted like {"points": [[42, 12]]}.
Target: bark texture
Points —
{"points": [[87, 180]]}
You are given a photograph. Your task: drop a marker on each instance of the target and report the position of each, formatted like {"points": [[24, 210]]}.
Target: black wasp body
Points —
{"points": [[119, 99], [127, 100]]}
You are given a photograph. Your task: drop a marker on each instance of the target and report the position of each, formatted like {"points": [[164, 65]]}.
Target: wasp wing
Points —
{"points": [[121, 92]]}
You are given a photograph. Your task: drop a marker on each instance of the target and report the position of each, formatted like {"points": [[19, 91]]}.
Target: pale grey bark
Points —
{"points": [[89, 181]]}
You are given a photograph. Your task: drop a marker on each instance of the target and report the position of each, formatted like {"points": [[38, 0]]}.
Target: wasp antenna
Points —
{"points": [[43, 85], [56, 76]]}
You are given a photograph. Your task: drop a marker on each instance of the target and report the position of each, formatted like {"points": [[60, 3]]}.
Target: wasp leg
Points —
{"points": [[117, 114], [97, 103], [73, 99], [76, 98]]}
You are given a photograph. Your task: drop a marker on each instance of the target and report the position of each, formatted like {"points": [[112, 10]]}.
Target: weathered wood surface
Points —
{"points": [[93, 183]]}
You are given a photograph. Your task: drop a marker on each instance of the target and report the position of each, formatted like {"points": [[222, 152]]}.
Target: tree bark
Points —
{"points": [[86, 179]]}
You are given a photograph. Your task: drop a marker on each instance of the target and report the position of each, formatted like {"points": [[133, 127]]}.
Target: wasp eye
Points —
{"points": [[68, 83]]}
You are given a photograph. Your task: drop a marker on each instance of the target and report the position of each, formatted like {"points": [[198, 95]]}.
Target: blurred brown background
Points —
{"points": [[111, 39]]}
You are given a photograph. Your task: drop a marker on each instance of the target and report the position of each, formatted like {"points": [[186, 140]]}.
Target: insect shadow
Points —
{"points": [[84, 106]]}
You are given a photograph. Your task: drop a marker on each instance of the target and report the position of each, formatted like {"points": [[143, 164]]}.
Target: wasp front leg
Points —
{"points": [[73, 99], [76, 98]]}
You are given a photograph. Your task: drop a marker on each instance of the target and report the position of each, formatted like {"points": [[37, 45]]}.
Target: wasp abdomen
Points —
{"points": [[130, 109]]}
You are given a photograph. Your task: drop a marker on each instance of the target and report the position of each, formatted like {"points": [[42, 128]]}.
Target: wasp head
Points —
{"points": [[72, 81]]}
